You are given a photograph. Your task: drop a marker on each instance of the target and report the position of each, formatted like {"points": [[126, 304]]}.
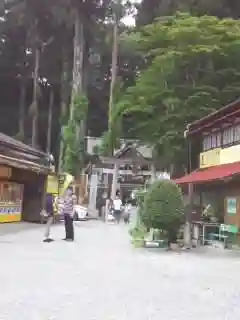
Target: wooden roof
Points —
{"points": [[226, 114], [130, 152], [24, 164], [17, 154], [15, 144], [127, 155]]}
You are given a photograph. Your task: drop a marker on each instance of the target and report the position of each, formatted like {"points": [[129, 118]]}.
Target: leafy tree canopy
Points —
{"points": [[148, 10], [191, 69]]}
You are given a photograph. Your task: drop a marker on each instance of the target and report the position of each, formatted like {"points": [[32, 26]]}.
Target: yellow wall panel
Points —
{"points": [[210, 158], [230, 155]]}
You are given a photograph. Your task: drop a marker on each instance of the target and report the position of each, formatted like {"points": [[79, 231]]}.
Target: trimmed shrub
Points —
{"points": [[163, 208], [140, 195], [138, 233]]}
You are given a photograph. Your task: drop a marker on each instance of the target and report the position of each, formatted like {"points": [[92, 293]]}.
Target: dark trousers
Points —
{"points": [[69, 227], [117, 215]]}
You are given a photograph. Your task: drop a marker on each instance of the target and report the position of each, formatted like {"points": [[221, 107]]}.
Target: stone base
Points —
{"points": [[174, 246]]}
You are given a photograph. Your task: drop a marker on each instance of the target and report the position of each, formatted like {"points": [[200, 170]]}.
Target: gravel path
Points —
{"points": [[102, 277]]}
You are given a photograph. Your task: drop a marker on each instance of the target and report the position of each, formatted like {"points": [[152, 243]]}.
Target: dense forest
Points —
{"points": [[76, 60]]}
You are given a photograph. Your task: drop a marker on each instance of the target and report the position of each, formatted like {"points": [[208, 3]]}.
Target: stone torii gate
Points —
{"points": [[112, 164]]}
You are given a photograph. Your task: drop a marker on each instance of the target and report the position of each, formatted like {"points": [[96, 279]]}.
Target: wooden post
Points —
{"points": [[43, 197], [187, 230]]}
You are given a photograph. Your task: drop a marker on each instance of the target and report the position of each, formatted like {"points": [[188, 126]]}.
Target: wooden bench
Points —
{"points": [[225, 231]]}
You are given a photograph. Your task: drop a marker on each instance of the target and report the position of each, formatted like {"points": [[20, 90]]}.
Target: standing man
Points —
{"points": [[49, 208], [117, 206], [68, 211]]}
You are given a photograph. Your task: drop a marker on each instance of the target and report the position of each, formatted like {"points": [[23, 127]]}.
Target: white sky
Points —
{"points": [[130, 20]]}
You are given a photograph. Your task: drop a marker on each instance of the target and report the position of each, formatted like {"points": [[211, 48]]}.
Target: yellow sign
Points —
{"points": [[57, 184], [52, 184], [65, 180], [210, 158], [230, 155], [16, 217]]}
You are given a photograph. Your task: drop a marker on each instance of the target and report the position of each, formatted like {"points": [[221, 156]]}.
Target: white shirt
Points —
{"points": [[117, 204], [128, 207]]}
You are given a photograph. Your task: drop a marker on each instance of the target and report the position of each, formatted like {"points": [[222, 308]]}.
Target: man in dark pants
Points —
{"points": [[68, 210], [69, 227]]}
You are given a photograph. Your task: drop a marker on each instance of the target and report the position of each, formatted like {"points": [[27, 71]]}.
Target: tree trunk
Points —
{"points": [[77, 86], [65, 93], [22, 103], [35, 99], [155, 158], [23, 89], [111, 95], [114, 70], [49, 129]]}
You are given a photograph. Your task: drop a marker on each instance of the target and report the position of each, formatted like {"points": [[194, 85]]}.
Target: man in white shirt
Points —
{"points": [[117, 206]]}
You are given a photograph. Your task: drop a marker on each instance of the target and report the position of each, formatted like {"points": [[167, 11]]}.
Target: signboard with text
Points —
{"points": [[231, 206]]}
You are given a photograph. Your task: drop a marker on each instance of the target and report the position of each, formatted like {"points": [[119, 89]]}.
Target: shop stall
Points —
{"points": [[11, 201], [23, 175]]}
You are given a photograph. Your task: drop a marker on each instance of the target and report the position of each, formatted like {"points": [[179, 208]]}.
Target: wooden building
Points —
{"points": [[133, 170], [23, 174], [214, 156]]}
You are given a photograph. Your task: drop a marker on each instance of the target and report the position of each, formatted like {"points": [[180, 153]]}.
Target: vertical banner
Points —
{"points": [[231, 205]]}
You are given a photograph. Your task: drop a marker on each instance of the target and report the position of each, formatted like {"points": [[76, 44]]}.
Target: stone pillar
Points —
{"points": [[114, 182], [93, 195]]}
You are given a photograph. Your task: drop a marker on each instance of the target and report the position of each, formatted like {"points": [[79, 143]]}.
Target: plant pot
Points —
{"points": [[138, 243]]}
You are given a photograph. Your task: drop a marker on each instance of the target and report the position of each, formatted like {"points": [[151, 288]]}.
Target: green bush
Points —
{"points": [[138, 234], [163, 208], [140, 194]]}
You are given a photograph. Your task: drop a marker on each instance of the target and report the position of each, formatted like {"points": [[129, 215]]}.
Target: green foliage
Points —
{"points": [[138, 234], [110, 141], [80, 107], [163, 208], [74, 144], [140, 196], [148, 10], [192, 67]]}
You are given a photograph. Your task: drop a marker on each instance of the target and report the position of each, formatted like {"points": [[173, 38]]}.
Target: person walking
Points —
{"points": [[68, 211], [117, 206], [49, 209]]}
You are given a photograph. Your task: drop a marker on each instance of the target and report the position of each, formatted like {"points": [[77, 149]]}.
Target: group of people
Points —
{"points": [[117, 209], [66, 209]]}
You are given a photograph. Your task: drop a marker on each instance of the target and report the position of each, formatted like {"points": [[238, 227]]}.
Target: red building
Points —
{"points": [[214, 157]]}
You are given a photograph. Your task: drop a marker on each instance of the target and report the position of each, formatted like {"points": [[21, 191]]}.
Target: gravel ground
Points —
{"points": [[102, 277]]}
